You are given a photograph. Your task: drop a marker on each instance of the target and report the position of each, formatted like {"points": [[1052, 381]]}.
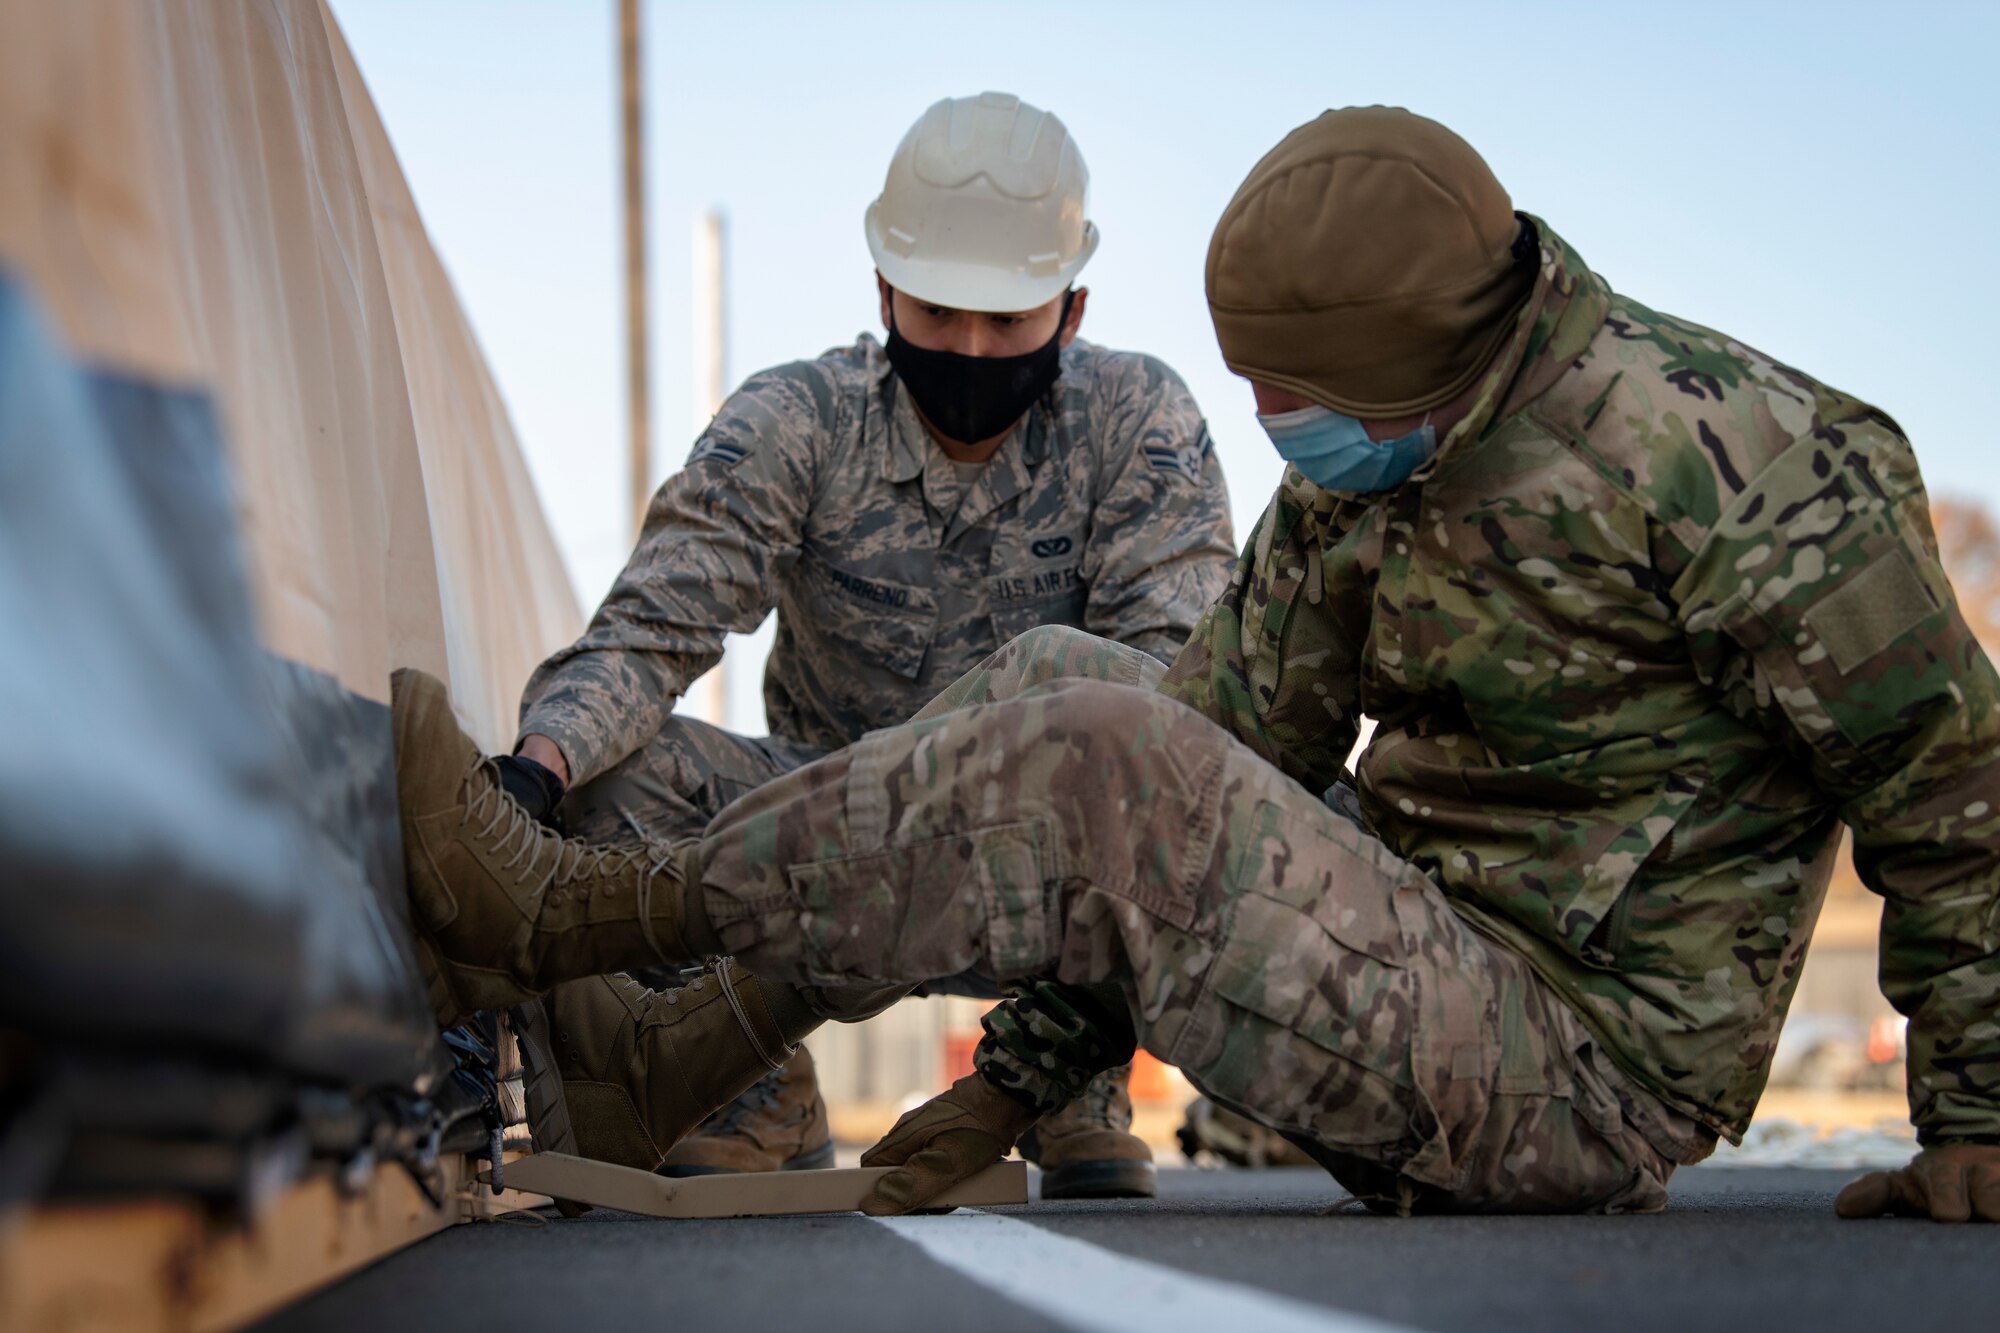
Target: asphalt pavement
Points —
{"points": [[1739, 1249]]}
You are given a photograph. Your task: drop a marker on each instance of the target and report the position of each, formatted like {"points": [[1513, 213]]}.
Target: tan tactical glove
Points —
{"points": [[1950, 1182], [956, 1134]]}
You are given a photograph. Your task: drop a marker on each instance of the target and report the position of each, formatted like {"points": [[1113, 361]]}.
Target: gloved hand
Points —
{"points": [[955, 1135], [1947, 1182], [536, 788]]}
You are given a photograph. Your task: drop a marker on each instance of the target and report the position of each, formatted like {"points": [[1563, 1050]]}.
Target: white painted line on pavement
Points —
{"points": [[1096, 1290]]}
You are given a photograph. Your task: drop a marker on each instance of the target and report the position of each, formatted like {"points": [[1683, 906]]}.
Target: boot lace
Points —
{"points": [[721, 969], [513, 829]]}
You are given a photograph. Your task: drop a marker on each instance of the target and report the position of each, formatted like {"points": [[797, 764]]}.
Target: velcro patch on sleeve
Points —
{"points": [[1870, 612]]}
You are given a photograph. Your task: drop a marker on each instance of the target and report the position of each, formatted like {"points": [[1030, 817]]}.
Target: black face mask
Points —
{"points": [[974, 398]]}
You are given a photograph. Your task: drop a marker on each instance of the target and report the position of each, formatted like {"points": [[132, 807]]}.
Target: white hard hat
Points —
{"points": [[983, 207]]}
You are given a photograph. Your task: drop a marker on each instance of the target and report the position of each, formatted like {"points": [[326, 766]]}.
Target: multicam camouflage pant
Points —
{"points": [[677, 782], [1032, 823]]}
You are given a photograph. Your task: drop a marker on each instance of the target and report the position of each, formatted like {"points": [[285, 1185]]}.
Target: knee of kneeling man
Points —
{"points": [[1104, 708], [1047, 647]]}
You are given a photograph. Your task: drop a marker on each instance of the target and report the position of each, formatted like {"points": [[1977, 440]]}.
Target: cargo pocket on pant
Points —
{"points": [[977, 902], [1022, 929], [1333, 939], [1331, 1057], [893, 917]]}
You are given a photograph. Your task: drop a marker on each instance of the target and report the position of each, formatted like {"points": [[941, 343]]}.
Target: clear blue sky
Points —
{"points": [[1815, 179]]}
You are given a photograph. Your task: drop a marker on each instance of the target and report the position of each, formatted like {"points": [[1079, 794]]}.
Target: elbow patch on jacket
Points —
{"points": [[1870, 612]]}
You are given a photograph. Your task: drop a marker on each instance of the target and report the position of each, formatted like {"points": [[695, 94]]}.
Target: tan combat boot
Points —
{"points": [[642, 1068], [1235, 1138], [504, 908], [1087, 1150], [777, 1124]]}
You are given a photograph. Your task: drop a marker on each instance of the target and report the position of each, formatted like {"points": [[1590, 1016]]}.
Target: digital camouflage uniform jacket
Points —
{"points": [[1657, 618], [816, 490]]}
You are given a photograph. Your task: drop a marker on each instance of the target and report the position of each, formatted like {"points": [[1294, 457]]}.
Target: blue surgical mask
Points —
{"points": [[1334, 450]]}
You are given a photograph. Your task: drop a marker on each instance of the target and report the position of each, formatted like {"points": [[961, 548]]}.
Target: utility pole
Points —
{"points": [[711, 329], [708, 697], [632, 122]]}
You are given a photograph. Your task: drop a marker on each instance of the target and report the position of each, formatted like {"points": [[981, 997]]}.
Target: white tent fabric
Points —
{"points": [[204, 194], [253, 460]]}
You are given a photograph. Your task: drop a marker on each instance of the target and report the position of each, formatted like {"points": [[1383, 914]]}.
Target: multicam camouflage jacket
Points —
{"points": [[1657, 618], [817, 491]]}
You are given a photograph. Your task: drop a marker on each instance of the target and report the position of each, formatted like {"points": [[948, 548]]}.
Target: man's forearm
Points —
{"points": [[597, 702]]}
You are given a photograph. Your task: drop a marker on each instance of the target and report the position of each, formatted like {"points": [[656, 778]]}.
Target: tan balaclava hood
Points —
{"points": [[1367, 263]]}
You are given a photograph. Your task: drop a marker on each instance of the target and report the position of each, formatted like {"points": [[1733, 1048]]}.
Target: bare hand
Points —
{"points": [[1949, 1182]]}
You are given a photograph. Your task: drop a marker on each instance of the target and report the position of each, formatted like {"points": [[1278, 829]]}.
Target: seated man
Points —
{"points": [[906, 509], [1643, 616]]}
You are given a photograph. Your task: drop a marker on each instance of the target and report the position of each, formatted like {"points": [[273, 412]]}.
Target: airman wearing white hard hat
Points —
{"points": [[978, 236], [907, 509], [984, 207]]}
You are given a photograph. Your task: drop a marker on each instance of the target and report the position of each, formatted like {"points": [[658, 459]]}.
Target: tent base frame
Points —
{"points": [[164, 1264]]}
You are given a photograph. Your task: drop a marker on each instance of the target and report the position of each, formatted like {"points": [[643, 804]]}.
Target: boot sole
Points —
{"points": [[1101, 1180], [819, 1159]]}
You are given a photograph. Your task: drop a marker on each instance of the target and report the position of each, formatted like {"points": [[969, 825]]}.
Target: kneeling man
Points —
{"points": [[906, 508]]}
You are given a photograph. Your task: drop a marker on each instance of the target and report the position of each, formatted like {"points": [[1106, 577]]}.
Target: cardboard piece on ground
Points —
{"points": [[764, 1194]]}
